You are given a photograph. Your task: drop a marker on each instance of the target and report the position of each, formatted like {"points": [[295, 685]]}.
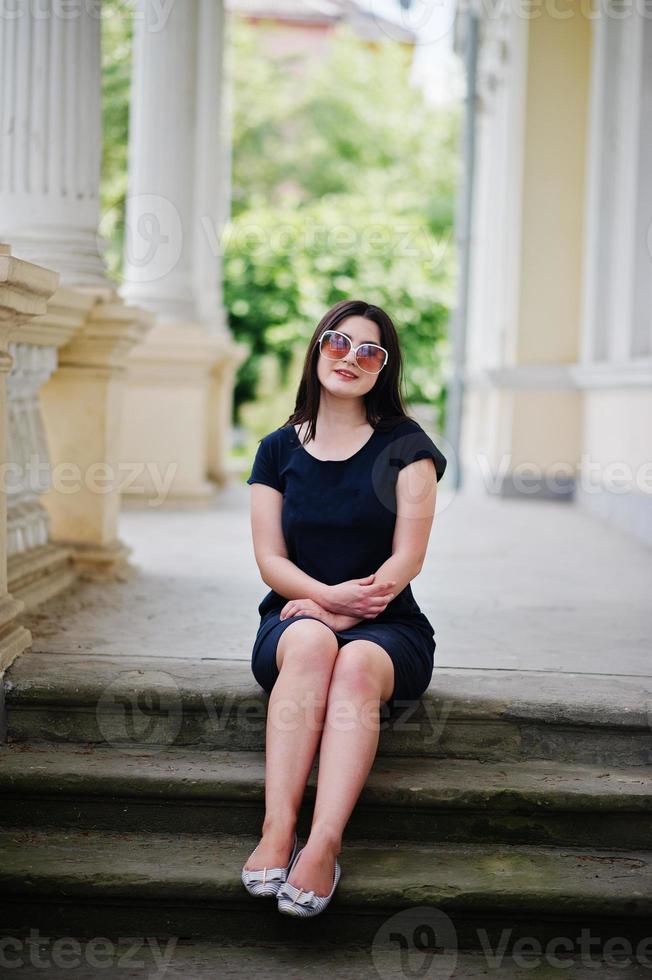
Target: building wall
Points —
{"points": [[559, 348], [523, 412]]}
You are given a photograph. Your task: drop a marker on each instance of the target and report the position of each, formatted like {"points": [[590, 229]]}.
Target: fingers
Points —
{"points": [[381, 601], [379, 588], [295, 607], [377, 606]]}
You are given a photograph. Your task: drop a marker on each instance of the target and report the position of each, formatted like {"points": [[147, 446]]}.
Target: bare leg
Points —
{"points": [[363, 677], [306, 652]]}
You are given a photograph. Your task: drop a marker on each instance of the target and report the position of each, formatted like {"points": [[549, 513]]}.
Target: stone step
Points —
{"points": [[216, 704], [89, 883], [103, 787], [174, 960]]}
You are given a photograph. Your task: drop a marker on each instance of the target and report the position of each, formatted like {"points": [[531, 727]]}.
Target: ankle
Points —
{"points": [[327, 837], [279, 828]]}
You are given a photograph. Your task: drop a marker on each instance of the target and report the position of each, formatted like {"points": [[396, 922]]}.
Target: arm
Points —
{"points": [[276, 569], [416, 494]]}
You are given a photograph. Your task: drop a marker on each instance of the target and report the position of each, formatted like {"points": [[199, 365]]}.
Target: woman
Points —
{"points": [[339, 529]]}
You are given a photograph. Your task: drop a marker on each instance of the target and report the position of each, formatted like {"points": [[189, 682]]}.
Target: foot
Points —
{"points": [[315, 867], [273, 851]]}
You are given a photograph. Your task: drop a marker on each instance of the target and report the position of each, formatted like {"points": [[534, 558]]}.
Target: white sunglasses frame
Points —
{"points": [[354, 349]]}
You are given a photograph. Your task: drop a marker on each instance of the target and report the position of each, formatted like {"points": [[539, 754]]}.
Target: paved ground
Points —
{"points": [[507, 584]]}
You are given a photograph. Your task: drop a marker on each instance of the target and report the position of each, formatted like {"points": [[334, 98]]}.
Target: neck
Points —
{"points": [[339, 414]]}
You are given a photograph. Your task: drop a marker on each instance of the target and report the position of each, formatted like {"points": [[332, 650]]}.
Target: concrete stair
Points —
{"points": [[187, 960], [171, 790], [466, 714], [508, 806], [188, 885]]}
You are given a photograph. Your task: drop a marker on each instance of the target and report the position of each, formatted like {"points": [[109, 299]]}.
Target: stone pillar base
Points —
{"points": [[39, 574], [103, 563], [82, 405], [166, 423], [187, 498], [521, 433], [13, 637]]}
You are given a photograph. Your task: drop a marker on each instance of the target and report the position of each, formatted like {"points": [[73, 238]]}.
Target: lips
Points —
{"points": [[346, 374]]}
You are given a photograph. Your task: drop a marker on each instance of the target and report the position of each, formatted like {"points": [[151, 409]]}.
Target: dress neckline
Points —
{"points": [[348, 458]]}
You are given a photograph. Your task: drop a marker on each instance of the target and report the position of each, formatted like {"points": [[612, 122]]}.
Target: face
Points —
{"points": [[334, 375]]}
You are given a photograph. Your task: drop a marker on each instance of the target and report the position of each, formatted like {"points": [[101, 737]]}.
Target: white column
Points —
{"points": [[213, 154], [617, 295], [50, 153], [615, 370], [50, 138], [642, 300], [522, 414], [174, 205]]}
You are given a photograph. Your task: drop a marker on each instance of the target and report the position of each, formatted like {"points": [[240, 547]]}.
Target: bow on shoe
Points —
{"points": [[298, 896], [266, 874]]}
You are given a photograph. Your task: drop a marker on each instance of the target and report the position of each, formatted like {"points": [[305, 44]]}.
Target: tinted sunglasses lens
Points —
{"points": [[371, 358], [335, 345]]}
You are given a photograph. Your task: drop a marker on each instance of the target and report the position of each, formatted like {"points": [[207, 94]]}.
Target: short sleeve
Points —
{"points": [[411, 443], [265, 468]]}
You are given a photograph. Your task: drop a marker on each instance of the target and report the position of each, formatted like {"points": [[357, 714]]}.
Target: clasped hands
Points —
{"points": [[345, 604]]}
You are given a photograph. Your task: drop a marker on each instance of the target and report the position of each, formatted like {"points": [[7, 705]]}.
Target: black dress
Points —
{"points": [[338, 520]]}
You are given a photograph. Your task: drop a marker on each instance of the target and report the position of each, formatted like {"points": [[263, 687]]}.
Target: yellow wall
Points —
{"points": [[554, 168]]}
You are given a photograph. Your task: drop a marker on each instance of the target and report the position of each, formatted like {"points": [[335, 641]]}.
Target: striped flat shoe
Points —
{"points": [[292, 900], [265, 882]]}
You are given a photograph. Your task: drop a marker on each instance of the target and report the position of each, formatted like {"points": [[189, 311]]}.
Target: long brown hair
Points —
{"points": [[383, 403]]}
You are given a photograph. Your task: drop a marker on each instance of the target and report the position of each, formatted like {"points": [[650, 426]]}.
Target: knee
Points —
{"points": [[307, 645], [359, 668]]}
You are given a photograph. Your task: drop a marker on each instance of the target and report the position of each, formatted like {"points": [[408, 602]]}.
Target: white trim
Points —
{"points": [[624, 374], [524, 376]]}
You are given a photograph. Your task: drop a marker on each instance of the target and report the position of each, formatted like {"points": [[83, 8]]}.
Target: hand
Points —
{"points": [[360, 597], [296, 607], [308, 607]]}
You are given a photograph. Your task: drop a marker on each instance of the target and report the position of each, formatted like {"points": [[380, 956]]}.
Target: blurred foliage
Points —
{"points": [[349, 124], [283, 270], [343, 186], [117, 31]]}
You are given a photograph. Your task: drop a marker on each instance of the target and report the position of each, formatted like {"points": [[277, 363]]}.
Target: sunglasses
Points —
{"points": [[370, 358]]}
